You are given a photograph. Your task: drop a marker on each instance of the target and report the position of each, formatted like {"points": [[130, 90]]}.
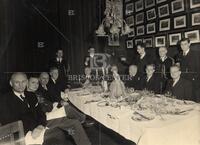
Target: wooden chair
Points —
{"points": [[12, 134]]}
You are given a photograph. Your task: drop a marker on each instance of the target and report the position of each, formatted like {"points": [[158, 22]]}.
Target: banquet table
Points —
{"points": [[162, 130]]}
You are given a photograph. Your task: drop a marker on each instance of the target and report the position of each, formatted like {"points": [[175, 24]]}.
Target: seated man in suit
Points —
{"points": [[88, 78], [179, 87], [150, 82], [133, 80], [72, 112], [27, 111]]}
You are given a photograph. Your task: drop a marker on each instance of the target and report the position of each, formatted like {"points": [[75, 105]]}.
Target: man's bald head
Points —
{"points": [[18, 82], [44, 78]]}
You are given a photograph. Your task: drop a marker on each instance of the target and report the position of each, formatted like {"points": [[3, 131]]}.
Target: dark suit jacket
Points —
{"points": [[133, 82], [54, 90], [141, 63], [152, 85], [181, 90], [16, 110], [190, 65]]}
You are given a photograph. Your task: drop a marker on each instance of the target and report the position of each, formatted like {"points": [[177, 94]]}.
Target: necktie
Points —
{"points": [[24, 100]]}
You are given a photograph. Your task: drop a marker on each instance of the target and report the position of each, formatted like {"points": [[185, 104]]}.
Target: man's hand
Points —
{"points": [[37, 131]]}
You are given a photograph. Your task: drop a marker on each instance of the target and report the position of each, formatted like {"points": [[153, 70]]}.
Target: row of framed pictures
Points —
{"points": [[161, 40], [176, 6], [165, 25]]}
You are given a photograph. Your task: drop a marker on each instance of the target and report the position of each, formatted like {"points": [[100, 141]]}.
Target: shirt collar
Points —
{"points": [[163, 58], [54, 81], [186, 52], [19, 95], [142, 56], [175, 81], [149, 77], [59, 59]]}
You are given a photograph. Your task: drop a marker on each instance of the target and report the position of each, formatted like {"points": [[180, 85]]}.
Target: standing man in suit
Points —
{"points": [[190, 66], [178, 86], [27, 111], [151, 81], [142, 59], [133, 80], [163, 64]]}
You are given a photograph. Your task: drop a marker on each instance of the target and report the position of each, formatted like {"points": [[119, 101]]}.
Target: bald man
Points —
{"points": [[19, 107]]}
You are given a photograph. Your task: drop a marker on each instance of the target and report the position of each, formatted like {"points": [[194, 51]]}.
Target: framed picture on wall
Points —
{"points": [[127, 1], [113, 40], [151, 28], [132, 33], [195, 19], [140, 30], [177, 6], [151, 14], [139, 18], [194, 3], [129, 43], [130, 21], [129, 9], [138, 41], [148, 42], [160, 1], [163, 11], [193, 36], [160, 41], [164, 25], [174, 38], [180, 22], [139, 5], [149, 3]]}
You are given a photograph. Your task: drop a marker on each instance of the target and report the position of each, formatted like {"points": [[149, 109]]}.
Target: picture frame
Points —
{"points": [[130, 21], [113, 40], [138, 41], [174, 38], [148, 42], [163, 11], [195, 19], [149, 3], [140, 30], [193, 36], [132, 33], [129, 9], [194, 4], [151, 14], [139, 18], [160, 1], [177, 6], [151, 28], [164, 25], [126, 1], [129, 43], [139, 5], [160, 41], [180, 22]]}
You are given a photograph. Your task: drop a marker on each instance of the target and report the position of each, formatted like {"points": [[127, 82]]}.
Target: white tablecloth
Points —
{"points": [[173, 130]]}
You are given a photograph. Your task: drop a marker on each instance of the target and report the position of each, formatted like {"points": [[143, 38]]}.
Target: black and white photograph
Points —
{"points": [[130, 21], [193, 36], [160, 41], [149, 3], [164, 25], [179, 22], [138, 41], [139, 18], [163, 11], [140, 30], [99, 72], [132, 33], [174, 38], [160, 1], [151, 14], [177, 6], [151, 28], [195, 19], [129, 8], [129, 43], [139, 5], [194, 4], [148, 42]]}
